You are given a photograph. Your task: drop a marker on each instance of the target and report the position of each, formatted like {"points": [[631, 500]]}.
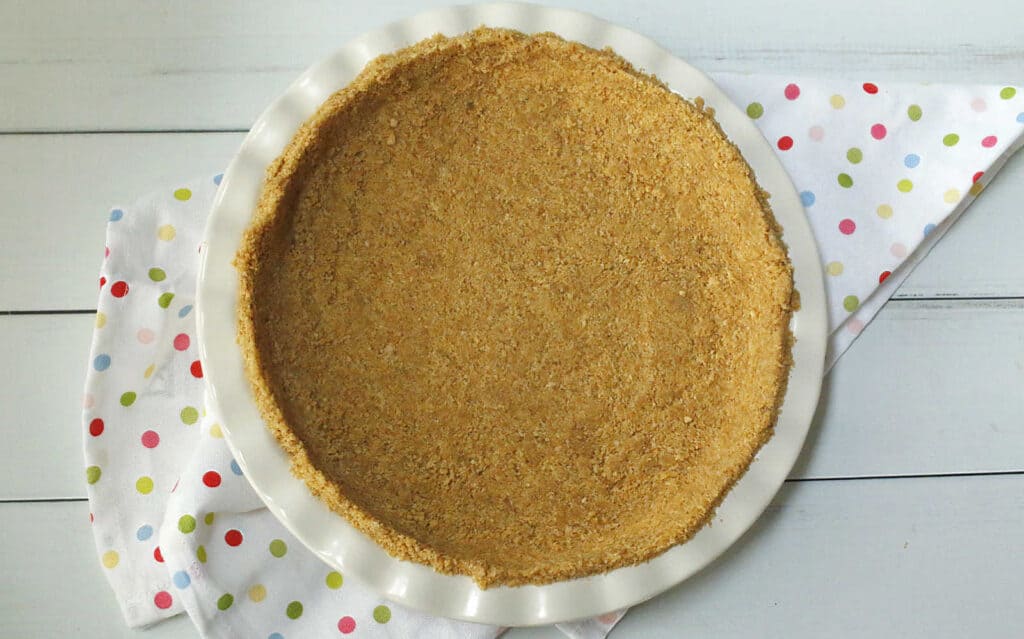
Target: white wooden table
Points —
{"points": [[905, 515]]}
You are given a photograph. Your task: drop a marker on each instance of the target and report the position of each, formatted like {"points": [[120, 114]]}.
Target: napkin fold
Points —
{"points": [[883, 171]]}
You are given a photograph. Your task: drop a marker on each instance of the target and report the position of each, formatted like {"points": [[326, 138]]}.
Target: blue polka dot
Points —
{"points": [[181, 579], [217, 178], [116, 215], [144, 532], [275, 635], [185, 310], [911, 161], [807, 198], [102, 362], [1020, 117], [928, 228], [235, 468]]}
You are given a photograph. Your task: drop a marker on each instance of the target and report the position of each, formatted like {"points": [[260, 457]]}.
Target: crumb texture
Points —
{"points": [[515, 309]]}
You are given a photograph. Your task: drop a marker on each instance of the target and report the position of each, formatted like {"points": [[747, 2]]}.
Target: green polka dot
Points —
{"points": [[278, 548], [189, 415], [144, 485], [186, 523], [183, 195], [225, 602], [127, 399], [1007, 93], [845, 180], [854, 155], [294, 610], [850, 303], [755, 110], [208, 519], [92, 474], [334, 580], [201, 554], [914, 112], [951, 139], [382, 614], [157, 274], [165, 300], [904, 185]]}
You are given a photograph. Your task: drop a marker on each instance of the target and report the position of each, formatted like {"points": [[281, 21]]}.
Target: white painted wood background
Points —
{"points": [[905, 514]]}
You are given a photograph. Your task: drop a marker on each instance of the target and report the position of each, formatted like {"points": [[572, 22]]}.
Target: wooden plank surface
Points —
{"points": [[921, 558], [886, 409], [151, 65], [58, 191]]}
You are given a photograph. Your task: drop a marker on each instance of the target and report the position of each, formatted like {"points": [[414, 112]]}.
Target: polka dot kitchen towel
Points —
{"points": [[882, 170]]}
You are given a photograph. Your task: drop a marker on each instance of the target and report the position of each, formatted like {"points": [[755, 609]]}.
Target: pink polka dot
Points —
{"points": [[346, 625], [792, 92], [855, 326], [162, 600], [181, 341], [978, 104], [145, 336], [817, 133], [88, 401], [106, 251], [989, 141], [847, 227], [609, 618], [898, 250], [878, 131], [150, 439]]}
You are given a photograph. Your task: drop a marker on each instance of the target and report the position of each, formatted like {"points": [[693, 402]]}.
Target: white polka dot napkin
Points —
{"points": [[883, 171]]}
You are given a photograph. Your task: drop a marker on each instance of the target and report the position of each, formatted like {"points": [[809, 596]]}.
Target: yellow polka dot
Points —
{"points": [[144, 485], [101, 320], [149, 371], [183, 195], [215, 431], [258, 593], [951, 196], [905, 186], [976, 188], [835, 268], [884, 211], [837, 101], [110, 559], [166, 233]]}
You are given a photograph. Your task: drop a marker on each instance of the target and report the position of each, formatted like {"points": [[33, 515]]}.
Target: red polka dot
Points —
{"points": [[878, 131], [106, 251], [150, 439], [792, 92], [103, 281], [233, 537], [119, 288], [96, 427], [785, 143], [977, 176], [989, 141], [158, 555], [870, 88], [346, 625], [197, 369], [91, 518], [883, 276], [211, 478], [163, 600], [847, 227], [181, 341]]}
